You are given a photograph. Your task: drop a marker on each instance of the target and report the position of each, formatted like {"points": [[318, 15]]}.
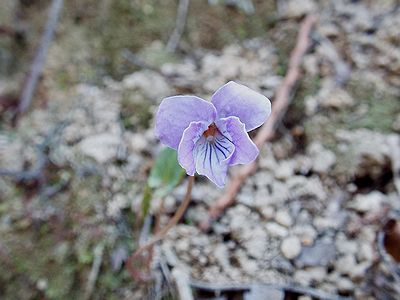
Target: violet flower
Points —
{"points": [[211, 136]]}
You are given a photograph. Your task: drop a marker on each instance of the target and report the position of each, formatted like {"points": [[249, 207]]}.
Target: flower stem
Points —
{"points": [[163, 232]]}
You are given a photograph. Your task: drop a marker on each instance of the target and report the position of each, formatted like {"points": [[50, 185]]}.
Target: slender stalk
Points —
{"points": [[162, 233], [40, 58], [173, 41]]}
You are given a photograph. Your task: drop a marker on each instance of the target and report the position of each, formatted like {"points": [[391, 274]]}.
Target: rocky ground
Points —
{"points": [[309, 216]]}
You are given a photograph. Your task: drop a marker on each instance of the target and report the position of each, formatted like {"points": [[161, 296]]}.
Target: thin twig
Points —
{"points": [[181, 17], [36, 172], [39, 60], [218, 288], [94, 272], [165, 271], [144, 233], [280, 105], [161, 234], [182, 283]]}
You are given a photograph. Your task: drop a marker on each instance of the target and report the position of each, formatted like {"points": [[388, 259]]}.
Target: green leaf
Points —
{"points": [[147, 196], [166, 172]]}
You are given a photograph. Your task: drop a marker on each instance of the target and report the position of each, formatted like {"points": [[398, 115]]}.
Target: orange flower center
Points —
{"points": [[210, 133]]}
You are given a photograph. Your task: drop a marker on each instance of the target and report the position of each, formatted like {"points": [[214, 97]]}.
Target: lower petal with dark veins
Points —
{"points": [[212, 157]]}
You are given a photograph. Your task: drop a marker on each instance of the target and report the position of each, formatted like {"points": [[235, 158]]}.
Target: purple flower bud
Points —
{"points": [[211, 136]]}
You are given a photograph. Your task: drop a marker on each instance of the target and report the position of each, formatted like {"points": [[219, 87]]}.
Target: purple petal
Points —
{"points": [[186, 146], [234, 130], [212, 156], [176, 113], [233, 99]]}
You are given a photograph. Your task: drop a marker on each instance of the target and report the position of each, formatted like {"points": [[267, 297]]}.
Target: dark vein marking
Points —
{"points": [[205, 156], [212, 171], [223, 153]]}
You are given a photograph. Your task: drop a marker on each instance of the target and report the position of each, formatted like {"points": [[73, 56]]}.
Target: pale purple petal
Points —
{"points": [[234, 130], [212, 158], [233, 99], [176, 113], [186, 146]]}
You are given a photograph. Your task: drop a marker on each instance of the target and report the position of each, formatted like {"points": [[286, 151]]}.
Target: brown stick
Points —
{"points": [[181, 17], [40, 58], [161, 234], [279, 107]]}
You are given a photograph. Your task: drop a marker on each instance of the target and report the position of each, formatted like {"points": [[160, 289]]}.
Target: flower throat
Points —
{"points": [[210, 133]]}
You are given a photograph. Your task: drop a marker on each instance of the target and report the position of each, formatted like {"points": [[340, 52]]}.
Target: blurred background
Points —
{"points": [[80, 81]]}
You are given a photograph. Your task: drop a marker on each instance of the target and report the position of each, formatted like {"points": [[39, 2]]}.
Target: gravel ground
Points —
{"points": [[308, 217]]}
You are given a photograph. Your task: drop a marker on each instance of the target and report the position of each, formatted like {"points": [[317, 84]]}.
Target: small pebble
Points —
{"points": [[291, 247], [284, 218]]}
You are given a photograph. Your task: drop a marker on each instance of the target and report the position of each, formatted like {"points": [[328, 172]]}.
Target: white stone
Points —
{"points": [[323, 223], [42, 284], [359, 271], [322, 159], [268, 212], [366, 252], [307, 276], [137, 142], [306, 187], [367, 235], [271, 82], [365, 151], [114, 206], [328, 29], [276, 230], [248, 265], [283, 218], [102, 147], [346, 264], [299, 8], [240, 220], [310, 64], [222, 255], [369, 202], [149, 83], [256, 244], [304, 297], [344, 285], [291, 247], [302, 277], [284, 170], [306, 234], [336, 98], [345, 246], [169, 204], [311, 105]]}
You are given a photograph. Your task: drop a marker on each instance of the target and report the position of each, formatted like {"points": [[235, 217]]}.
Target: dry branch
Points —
{"points": [[182, 282], [94, 272], [181, 17], [287, 288], [37, 171], [40, 58], [279, 107]]}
